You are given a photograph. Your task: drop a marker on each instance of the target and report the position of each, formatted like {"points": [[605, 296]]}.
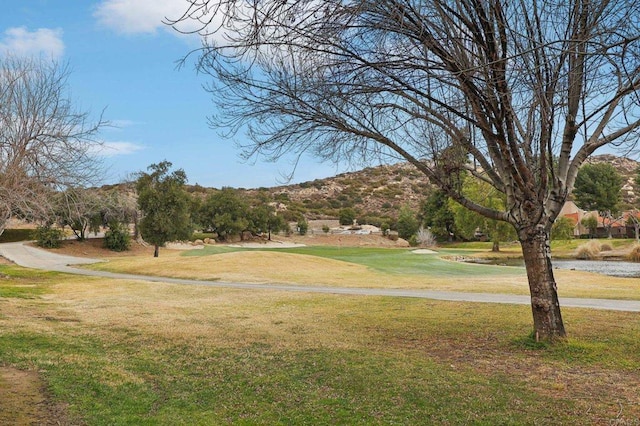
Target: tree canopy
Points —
{"points": [[598, 187], [517, 94], [165, 205]]}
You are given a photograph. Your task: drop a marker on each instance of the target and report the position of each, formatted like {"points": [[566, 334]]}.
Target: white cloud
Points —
{"points": [[112, 149], [22, 42], [139, 16]]}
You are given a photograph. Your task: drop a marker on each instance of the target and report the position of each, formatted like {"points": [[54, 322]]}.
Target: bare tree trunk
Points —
{"points": [[496, 246], [547, 319], [156, 250]]}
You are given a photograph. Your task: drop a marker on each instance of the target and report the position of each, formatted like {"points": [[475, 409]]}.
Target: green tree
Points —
{"points": [[562, 229], [117, 237], [165, 205], [264, 218], [598, 187], [435, 213], [225, 213], [303, 226], [591, 223], [408, 223], [468, 223], [346, 216]]}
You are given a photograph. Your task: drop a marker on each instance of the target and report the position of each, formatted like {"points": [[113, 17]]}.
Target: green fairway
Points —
{"points": [[394, 261]]}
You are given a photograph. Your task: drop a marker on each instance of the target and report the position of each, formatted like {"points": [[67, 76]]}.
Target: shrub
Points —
{"points": [[48, 237], [425, 237], [606, 247], [346, 216], [325, 229], [413, 241], [303, 226], [117, 238], [634, 254], [589, 250]]}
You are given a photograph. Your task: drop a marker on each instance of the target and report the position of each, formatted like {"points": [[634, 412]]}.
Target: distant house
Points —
{"points": [[621, 227]]}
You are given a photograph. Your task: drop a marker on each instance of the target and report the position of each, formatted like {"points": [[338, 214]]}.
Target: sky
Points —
{"points": [[123, 64]]}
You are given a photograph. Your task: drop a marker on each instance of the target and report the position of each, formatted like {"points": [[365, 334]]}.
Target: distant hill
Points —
{"points": [[382, 190], [379, 192]]}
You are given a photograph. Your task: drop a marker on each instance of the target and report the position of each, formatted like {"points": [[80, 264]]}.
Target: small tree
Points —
{"points": [[468, 222], [346, 216], [591, 223], [407, 223], [303, 226], [562, 229], [225, 213], [165, 205], [117, 237], [436, 214]]}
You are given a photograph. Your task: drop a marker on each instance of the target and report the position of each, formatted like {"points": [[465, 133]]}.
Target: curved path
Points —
{"points": [[32, 257]]}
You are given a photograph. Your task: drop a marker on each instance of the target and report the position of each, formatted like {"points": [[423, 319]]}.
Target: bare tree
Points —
{"points": [[517, 94], [45, 144]]}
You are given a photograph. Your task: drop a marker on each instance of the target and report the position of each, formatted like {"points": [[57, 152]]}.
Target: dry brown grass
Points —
{"points": [[284, 268], [589, 250], [634, 253]]}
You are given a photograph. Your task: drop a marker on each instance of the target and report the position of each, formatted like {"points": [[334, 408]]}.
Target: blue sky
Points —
{"points": [[123, 60]]}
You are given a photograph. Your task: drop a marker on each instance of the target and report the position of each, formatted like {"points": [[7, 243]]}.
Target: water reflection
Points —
{"points": [[610, 267]]}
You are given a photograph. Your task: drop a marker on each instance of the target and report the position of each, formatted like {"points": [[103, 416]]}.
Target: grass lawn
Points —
{"points": [[127, 352], [364, 267]]}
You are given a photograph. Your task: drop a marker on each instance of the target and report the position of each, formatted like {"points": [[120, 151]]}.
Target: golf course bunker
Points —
{"points": [[424, 251]]}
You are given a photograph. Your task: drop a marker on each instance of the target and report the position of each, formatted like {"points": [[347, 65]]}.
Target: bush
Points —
{"points": [[49, 237], [303, 227], [325, 229], [634, 254], [606, 247], [425, 237], [413, 241], [117, 238], [588, 251]]}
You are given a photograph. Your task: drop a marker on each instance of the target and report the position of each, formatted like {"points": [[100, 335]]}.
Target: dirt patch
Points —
{"points": [[24, 401]]}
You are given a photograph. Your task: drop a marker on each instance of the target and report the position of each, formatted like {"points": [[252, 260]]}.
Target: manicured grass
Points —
{"points": [[392, 261], [120, 352]]}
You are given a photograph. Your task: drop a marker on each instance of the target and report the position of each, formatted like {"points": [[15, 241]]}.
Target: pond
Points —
{"points": [[614, 268]]}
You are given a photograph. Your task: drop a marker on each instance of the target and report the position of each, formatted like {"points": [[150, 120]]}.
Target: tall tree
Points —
{"points": [[517, 93], [436, 214], [165, 205], [45, 143], [598, 187]]}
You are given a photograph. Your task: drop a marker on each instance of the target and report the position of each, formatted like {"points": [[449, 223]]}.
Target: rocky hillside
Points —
{"points": [[375, 191], [382, 190]]}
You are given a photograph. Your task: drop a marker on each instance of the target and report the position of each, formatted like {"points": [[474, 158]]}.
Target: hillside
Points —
{"points": [[381, 191], [374, 191]]}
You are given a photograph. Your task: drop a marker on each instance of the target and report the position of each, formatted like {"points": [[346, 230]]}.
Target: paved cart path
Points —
{"points": [[32, 257]]}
